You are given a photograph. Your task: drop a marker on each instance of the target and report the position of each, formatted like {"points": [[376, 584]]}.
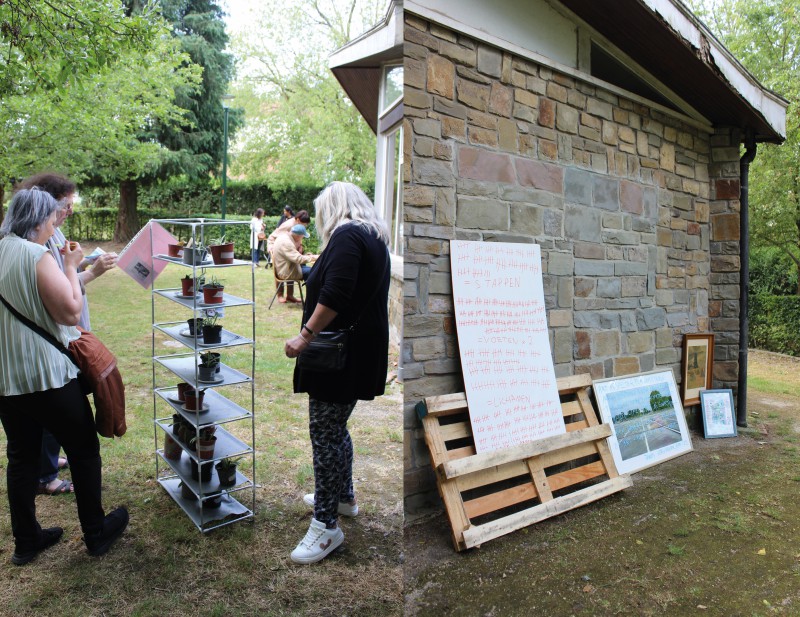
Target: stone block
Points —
{"points": [[605, 344], [547, 113], [581, 223], [725, 227], [584, 287], [628, 365], [441, 76], [490, 61], [458, 53], [540, 175], [526, 220], [591, 267], [563, 345], [631, 197], [727, 189], [599, 108], [634, 286], [500, 100], [482, 137], [427, 128], [640, 342], [566, 119], [507, 131], [480, 164], [630, 268], [433, 172], [559, 318], [560, 264], [472, 94], [578, 186], [605, 192], [651, 318], [414, 73], [477, 213], [582, 347], [617, 236]]}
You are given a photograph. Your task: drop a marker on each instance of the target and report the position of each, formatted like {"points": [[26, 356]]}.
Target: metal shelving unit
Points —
{"points": [[217, 409]]}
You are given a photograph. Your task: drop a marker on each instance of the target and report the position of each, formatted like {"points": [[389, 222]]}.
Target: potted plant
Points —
{"points": [[193, 399], [172, 449], [212, 331], [212, 292], [209, 366], [194, 255], [182, 388], [201, 472], [221, 251], [187, 493], [205, 442], [195, 326], [187, 286], [226, 471], [175, 250], [213, 502]]}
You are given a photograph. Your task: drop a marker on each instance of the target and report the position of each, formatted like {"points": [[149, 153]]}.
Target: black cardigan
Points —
{"points": [[345, 276]]}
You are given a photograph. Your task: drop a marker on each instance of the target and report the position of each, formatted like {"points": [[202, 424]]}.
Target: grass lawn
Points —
{"points": [[163, 565]]}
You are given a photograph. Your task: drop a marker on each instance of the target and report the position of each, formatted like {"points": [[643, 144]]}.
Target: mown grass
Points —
{"points": [[163, 565]]}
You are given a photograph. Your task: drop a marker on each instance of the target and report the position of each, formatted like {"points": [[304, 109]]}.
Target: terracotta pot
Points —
{"points": [[205, 448], [222, 253], [213, 295], [172, 449], [175, 250], [187, 287], [193, 400], [182, 388]]}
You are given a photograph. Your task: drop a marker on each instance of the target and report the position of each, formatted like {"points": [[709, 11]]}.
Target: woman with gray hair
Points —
{"points": [[347, 289], [38, 383]]}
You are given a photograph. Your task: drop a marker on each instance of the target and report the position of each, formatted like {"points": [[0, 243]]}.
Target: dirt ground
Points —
{"points": [[713, 532]]}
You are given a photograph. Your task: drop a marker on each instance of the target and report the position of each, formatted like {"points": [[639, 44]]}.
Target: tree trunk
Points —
{"points": [[127, 220], [2, 200]]}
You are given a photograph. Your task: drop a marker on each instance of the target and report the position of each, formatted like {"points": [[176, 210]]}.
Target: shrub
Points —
{"points": [[774, 323]]}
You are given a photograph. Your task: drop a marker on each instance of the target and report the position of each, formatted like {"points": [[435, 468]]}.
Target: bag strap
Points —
{"points": [[40, 331], [374, 293]]}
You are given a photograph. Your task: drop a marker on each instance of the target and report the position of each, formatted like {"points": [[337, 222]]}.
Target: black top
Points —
{"points": [[343, 279]]}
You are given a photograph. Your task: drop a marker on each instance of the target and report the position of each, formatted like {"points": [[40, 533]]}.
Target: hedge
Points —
{"points": [[97, 224], [774, 323], [184, 198]]}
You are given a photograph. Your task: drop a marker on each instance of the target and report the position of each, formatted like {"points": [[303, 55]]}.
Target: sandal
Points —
{"points": [[65, 488]]}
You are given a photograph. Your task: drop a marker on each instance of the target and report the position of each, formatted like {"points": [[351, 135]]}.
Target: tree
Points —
{"points": [[765, 36], [193, 146], [301, 128]]}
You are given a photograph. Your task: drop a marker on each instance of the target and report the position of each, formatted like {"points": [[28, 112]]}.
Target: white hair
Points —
{"points": [[341, 203], [29, 209]]}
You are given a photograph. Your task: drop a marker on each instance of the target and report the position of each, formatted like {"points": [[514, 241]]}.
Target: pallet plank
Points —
{"points": [[499, 500]]}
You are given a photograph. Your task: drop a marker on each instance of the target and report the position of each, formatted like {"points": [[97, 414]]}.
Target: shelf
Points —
{"points": [[184, 367], [227, 445], [206, 519], [208, 263], [197, 301], [220, 409], [183, 469], [228, 338]]}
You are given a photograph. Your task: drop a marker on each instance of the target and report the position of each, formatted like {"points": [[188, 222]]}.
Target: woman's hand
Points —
{"points": [[294, 346], [104, 263], [73, 254]]}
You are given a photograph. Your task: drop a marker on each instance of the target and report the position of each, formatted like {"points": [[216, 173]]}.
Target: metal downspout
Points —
{"points": [[744, 273]]}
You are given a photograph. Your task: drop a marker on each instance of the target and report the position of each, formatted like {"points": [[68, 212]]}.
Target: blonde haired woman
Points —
{"points": [[348, 287]]}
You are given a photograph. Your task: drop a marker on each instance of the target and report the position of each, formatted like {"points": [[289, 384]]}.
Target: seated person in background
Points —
{"points": [[289, 262], [301, 218]]}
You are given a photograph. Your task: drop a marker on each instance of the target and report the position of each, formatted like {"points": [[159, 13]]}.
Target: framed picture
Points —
{"points": [[646, 418], [698, 363], [717, 411]]}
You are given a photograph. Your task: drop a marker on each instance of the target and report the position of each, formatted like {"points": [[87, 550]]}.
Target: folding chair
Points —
{"points": [[282, 285]]}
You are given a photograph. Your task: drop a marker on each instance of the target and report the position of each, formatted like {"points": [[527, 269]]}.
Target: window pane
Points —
{"points": [[392, 85]]}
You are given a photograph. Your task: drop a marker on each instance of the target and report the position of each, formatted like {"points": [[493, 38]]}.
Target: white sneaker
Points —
{"points": [[345, 509], [319, 541]]}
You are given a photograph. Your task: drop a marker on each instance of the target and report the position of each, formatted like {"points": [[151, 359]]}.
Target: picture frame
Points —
{"points": [[646, 418], [697, 366], [719, 419]]}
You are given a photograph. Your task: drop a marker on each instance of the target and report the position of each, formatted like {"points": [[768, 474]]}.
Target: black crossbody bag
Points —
{"points": [[327, 353]]}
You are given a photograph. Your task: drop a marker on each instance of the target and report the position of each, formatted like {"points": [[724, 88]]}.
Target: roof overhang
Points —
{"points": [[358, 66], [669, 42], [665, 39]]}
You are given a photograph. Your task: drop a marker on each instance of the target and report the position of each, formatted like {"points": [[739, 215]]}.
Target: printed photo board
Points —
{"points": [[503, 339], [646, 417]]}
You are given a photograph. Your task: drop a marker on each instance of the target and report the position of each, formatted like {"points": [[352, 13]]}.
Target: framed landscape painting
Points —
{"points": [[646, 418], [698, 363], [717, 409]]}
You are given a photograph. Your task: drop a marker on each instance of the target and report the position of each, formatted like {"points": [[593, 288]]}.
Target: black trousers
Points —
{"points": [[66, 413]]}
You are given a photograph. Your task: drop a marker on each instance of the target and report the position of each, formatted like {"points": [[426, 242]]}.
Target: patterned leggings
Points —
{"points": [[333, 457]]}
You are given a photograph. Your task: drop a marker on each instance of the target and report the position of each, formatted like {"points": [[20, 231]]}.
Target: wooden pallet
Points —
{"points": [[494, 493]]}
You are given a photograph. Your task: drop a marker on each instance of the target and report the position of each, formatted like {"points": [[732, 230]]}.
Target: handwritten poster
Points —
{"points": [[505, 350]]}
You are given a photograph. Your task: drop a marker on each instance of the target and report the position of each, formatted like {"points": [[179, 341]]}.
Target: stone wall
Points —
{"points": [[618, 195]]}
